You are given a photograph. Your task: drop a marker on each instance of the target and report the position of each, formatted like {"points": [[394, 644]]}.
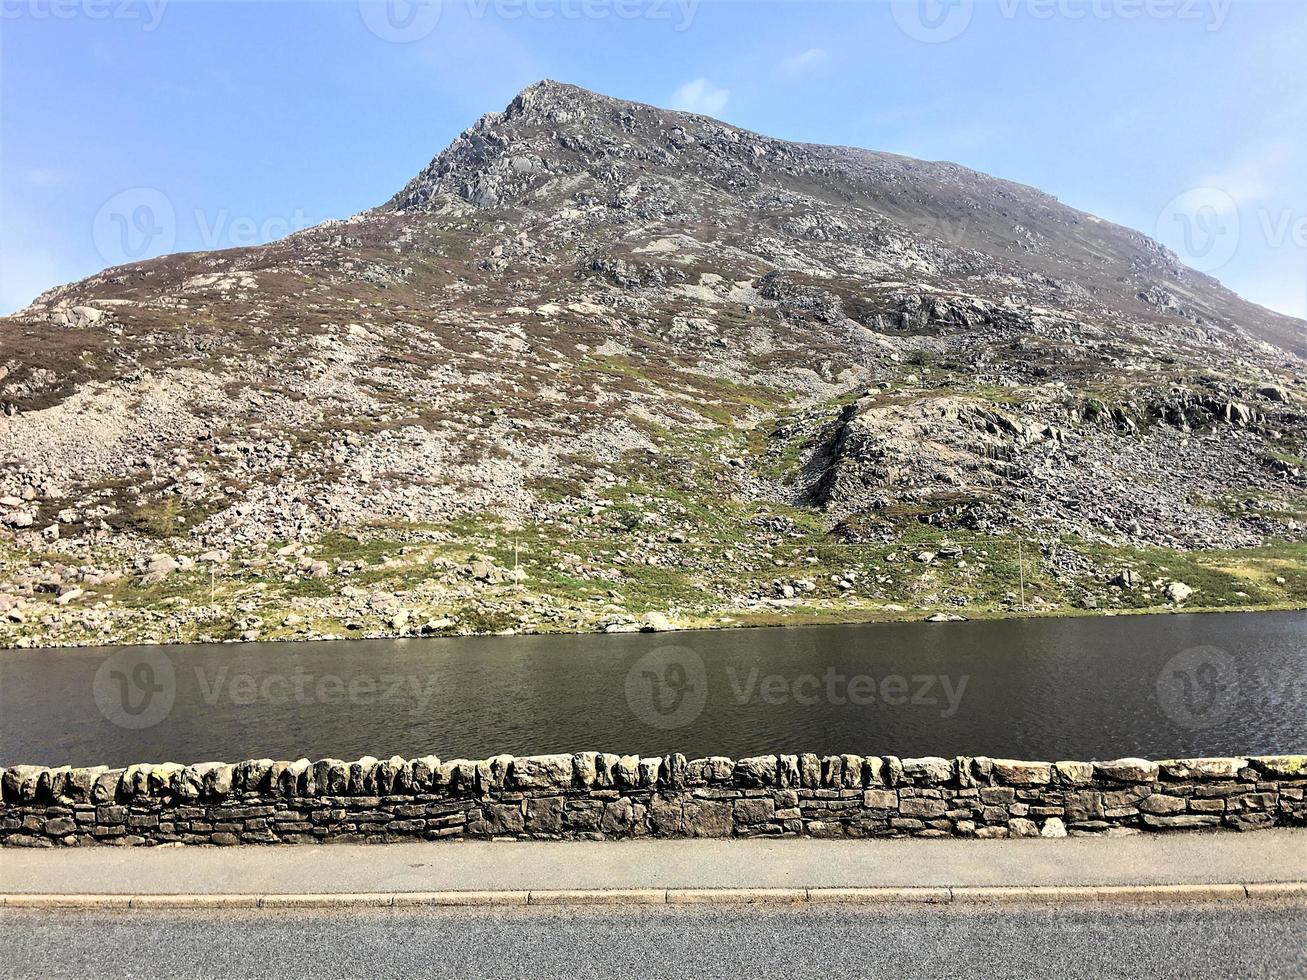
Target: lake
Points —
{"points": [[1084, 688]]}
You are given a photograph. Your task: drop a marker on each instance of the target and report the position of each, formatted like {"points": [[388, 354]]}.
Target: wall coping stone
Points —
{"points": [[368, 775]]}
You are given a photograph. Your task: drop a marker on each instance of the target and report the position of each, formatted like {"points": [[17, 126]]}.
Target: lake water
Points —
{"points": [[1088, 688]]}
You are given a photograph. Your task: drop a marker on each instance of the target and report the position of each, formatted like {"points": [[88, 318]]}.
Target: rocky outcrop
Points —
{"points": [[888, 450], [1131, 469], [592, 795]]}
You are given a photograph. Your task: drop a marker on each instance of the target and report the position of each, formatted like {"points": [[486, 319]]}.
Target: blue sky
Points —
{"points": [[128, 129]]}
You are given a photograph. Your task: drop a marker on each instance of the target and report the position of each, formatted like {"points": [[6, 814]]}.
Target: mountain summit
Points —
{"points": [[657, 341]]}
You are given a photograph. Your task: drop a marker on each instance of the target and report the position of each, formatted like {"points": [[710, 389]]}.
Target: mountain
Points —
{"points": [[598, 360]]}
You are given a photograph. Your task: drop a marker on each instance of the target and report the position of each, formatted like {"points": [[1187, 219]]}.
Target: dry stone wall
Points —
{"points": [[593, 795]]}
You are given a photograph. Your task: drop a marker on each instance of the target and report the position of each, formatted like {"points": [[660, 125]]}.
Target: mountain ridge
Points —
{"points": [[548, 98]]}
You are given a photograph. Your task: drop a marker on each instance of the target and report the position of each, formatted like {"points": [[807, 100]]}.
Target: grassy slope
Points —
{"points": [[587, 569]]}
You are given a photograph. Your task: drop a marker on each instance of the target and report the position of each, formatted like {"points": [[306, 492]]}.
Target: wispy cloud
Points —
{"points": [[40, 177], [1252, 177], [805, 60], [701, 96]]}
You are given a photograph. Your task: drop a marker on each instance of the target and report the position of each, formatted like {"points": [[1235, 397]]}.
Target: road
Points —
{"points": [[1253, 940]]}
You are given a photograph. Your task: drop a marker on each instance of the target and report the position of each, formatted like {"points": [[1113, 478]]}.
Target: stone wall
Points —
{"points": [[593, 795]]}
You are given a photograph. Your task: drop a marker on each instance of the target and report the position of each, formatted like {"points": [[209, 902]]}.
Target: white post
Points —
{"points": [[1021, 569]]}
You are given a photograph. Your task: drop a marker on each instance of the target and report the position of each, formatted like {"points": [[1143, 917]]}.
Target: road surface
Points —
{"points": [[1248, 940]]}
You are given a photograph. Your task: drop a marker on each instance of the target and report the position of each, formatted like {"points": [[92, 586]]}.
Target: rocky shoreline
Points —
{"points": [[480, 597], [659, 625], [356, 589]]}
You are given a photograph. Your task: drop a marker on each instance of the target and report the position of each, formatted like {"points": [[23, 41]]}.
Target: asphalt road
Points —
{"points": [[1258, 940]]}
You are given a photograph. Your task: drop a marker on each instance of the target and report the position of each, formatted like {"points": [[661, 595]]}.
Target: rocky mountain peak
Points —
{"points": [[547, 97], [553, 132], [501, 153]]}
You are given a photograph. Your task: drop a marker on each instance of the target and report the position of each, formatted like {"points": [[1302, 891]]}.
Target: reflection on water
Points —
{"points": [[1050, 689]]}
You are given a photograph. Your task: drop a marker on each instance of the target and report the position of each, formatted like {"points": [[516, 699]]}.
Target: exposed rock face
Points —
{"points": [[581, 287], [894, 452]]}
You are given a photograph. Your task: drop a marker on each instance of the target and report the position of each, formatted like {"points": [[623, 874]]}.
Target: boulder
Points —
{"points": [[655, 622], [1178, 592], [161, 564], [81, 316]]}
